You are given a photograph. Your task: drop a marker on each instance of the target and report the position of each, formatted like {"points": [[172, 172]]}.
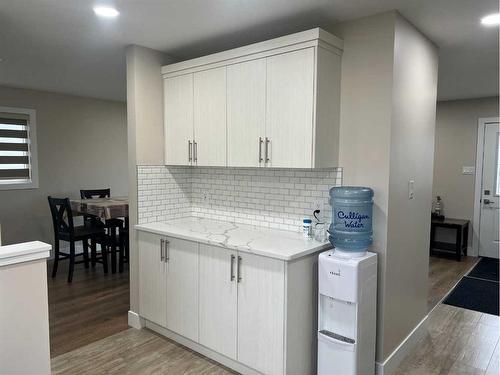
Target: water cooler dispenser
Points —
{"points": [[347, 278], [347, 314]]}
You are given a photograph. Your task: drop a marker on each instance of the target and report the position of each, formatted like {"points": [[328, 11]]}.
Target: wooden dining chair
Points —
{"points": [[113, 226], [65, 230]]}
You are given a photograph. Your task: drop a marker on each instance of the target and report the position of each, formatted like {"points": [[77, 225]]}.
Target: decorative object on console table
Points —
{"points": [[462, 236], [438, 209]]}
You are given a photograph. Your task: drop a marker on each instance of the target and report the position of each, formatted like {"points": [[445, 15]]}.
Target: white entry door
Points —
{"points": [[489, 229]]}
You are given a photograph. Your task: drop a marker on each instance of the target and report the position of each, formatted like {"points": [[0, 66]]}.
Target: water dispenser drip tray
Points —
{"points": [[336, 336]]}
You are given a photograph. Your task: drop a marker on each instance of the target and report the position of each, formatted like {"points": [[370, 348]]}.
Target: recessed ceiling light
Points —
{"points": [[107, 12], [491, 19]]}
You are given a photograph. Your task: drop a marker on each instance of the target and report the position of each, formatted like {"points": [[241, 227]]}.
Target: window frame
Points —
{"points": [[32, 136]]}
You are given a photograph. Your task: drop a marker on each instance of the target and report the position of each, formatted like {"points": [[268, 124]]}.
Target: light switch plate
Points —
{"points": [[411, 189], [468, 170]]}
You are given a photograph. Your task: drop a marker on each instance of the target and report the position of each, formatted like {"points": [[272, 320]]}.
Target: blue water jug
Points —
{"points": [[352, 211]]}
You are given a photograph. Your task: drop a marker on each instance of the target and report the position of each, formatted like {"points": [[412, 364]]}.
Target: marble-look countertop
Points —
{"points": [[23, 252], [272, 243]]}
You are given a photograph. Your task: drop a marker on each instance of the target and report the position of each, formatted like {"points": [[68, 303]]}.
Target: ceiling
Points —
{"points": [[61, 46]]}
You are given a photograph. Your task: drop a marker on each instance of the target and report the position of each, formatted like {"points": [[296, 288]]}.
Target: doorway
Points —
{"points": [[487, 189]]}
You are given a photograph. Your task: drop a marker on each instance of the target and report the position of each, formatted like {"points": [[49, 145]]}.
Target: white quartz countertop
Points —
{"points": [[23, 252], [278, 244]]}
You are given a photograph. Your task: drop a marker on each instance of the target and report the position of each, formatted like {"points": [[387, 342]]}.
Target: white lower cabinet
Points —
{"points": [[152, 279], [218, 300], [232, 303], [181, 258], [261, 303]]}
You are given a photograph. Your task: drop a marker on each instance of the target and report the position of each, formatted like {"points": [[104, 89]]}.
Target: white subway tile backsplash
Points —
{"points": [[274, 198]]}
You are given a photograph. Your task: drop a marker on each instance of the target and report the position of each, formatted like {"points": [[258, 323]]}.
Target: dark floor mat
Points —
{"points": [[475, 294], [487, 269]]}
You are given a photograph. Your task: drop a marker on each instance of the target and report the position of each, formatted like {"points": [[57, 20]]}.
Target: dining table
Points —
{"points": [[105, 209]]}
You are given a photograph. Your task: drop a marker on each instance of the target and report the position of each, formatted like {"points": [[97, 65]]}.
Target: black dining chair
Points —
{"points": [[113, 227], [65, 230]]}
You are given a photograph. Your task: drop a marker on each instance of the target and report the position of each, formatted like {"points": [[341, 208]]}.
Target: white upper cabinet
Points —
{"points": [[179, 135], [210, 117], [246, 113], [289, 115], [270, 104]]}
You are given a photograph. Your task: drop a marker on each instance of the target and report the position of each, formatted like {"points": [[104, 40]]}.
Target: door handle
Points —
{"points": [[268, 141], [167, 250], [232, 267], [195, 152], [162, 249], [238, 269], [190, 151], [260, 150]]}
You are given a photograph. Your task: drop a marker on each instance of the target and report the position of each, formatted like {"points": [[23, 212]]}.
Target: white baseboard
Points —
{"points": [[392, 362], [135, 321]]}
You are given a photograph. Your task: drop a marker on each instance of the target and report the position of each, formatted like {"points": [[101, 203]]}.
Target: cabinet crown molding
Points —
{"points": [[303, 39]]}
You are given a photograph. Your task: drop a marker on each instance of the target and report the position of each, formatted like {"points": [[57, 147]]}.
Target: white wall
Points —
{"points": [[366, 103], [145, 132], [82, 143], [412, 155], [455, 147], [388, 98]]}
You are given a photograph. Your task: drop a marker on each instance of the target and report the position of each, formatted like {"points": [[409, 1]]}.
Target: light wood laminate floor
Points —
{"points": [[444, 274], [92, 307], [135, 352], [458, 341]]}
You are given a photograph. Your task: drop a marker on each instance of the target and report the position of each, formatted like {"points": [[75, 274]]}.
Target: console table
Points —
{"points": [[462, 236]]}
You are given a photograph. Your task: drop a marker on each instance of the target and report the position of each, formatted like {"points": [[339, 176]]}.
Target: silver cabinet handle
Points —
{"points": [[167, 251], [190, 151], [268, 141], [195, 152], [260, 150], [162, 250], [238, 269], [232, 267]]}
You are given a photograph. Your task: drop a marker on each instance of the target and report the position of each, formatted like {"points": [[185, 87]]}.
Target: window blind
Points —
{"points": [[14, 148]]}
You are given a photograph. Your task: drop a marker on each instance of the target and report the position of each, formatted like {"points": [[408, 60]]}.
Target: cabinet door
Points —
{"points": [[178, 97], [261, 301], [210, 117], [152, 279], [182, 287], [218, 300], [289, 112], [246, 113]]}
